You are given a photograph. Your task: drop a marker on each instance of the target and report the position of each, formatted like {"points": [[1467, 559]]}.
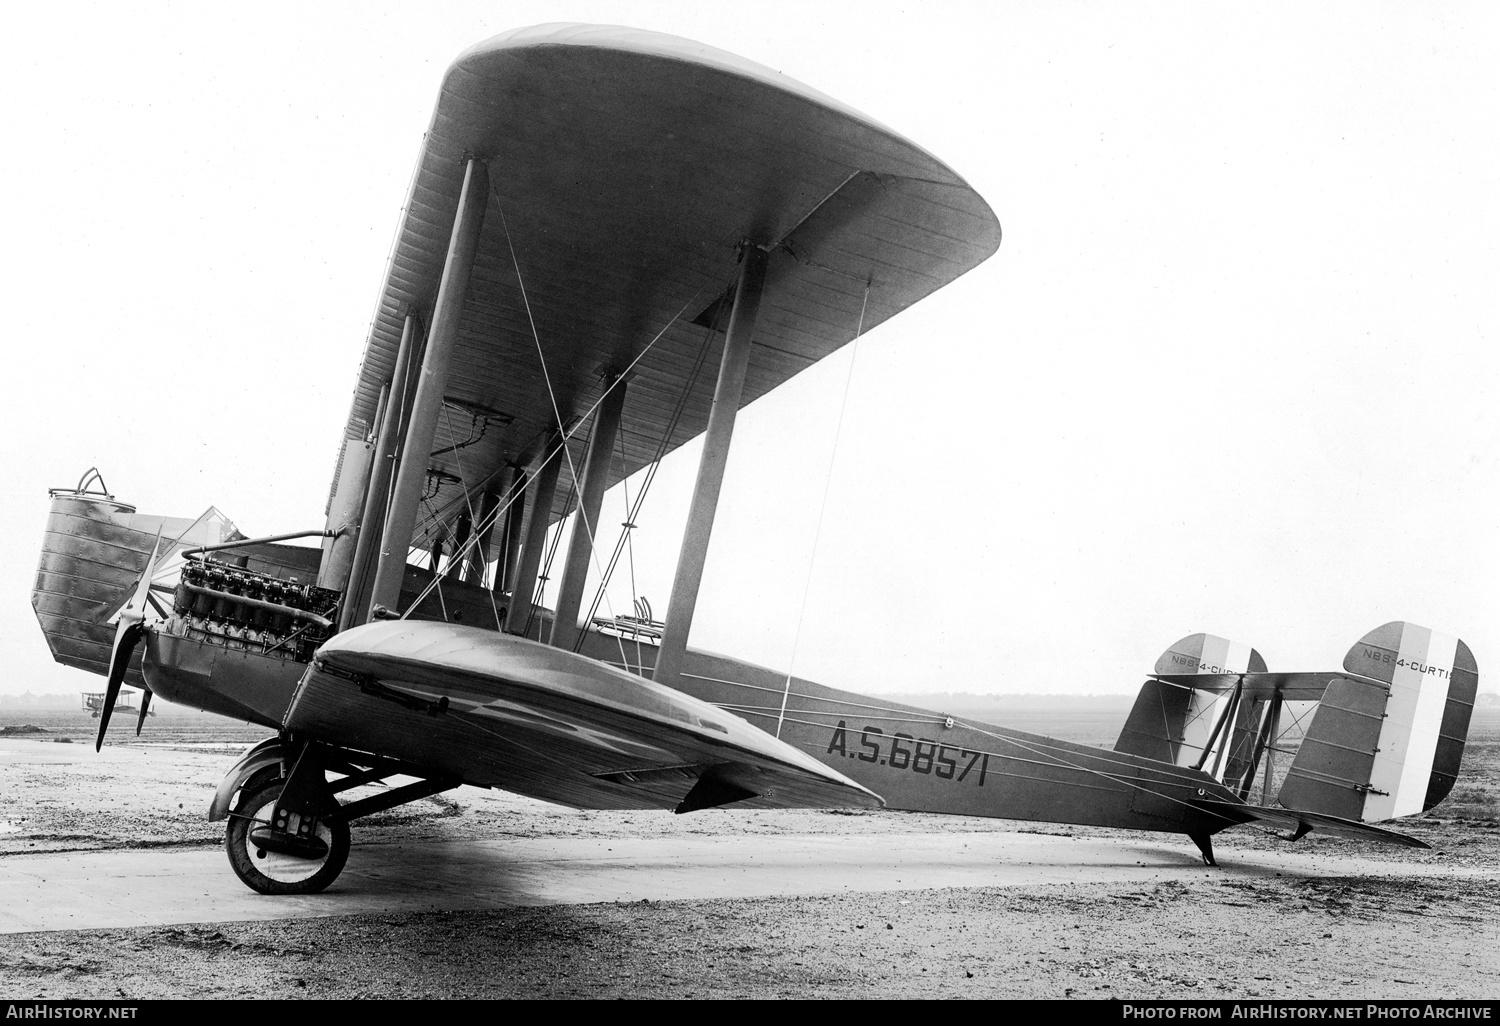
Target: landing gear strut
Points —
{"points": [[1205, 843]]}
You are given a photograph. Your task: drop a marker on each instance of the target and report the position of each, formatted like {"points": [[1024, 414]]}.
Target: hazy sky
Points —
{"points": [[1232, 370]]}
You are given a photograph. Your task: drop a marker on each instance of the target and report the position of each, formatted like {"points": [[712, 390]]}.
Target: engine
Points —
{"points": [[239, 608]]}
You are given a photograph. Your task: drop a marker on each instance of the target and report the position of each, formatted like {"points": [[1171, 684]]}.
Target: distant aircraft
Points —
{"points": [[95, 702], [599, 217]]}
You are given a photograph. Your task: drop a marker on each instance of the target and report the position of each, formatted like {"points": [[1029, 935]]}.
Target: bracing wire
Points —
{"points": [[565, 436], [583, 516], [475, 535], [633, 512], [544, 575], [541, 357], [823, 506], [547, 379], [1045, 751], [629, 528]]}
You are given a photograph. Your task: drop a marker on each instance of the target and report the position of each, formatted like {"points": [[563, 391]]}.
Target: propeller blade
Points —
{"points": [[127, 635], [145, 704], [119, 661]]}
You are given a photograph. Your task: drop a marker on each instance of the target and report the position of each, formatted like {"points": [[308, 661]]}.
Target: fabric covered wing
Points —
{"points": [[625, 169], [499, 711]]}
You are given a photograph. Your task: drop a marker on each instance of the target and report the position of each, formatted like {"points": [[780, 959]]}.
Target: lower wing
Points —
{"points": [[500, 711]]}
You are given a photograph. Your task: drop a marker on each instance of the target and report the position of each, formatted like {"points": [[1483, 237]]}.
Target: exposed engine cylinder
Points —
{"points": [[95, 550], [242, 609]]}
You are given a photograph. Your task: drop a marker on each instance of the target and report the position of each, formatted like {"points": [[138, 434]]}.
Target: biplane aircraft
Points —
{"points": [[613, 241], [94, 702]]}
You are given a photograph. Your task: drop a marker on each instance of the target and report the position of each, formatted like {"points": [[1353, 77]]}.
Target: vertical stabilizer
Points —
{"points": [[1388, 738]]}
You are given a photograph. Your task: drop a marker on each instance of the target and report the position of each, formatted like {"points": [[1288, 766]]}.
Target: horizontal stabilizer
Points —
{"points": [[1301, 823], [1292, 687]]}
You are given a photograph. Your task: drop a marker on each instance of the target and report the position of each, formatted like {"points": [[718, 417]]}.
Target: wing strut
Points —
{"points": [[590, 500], [1272, 735], [1225, 719], [541, 486], [711, 463], [377, 494], [508, 534], [411, 476], [1263, 745]]}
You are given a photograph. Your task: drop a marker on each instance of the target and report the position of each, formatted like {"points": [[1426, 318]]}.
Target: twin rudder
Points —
{"points": [[1385, 741]]}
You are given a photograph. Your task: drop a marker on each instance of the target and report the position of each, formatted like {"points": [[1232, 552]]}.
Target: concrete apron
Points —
{"points": [[94, 890]]}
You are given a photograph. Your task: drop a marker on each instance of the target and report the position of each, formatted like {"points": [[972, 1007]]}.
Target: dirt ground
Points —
{"points": [[1374, 936]]}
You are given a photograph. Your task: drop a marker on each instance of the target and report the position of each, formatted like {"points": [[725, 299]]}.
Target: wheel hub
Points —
{"points": [[283, 843]]}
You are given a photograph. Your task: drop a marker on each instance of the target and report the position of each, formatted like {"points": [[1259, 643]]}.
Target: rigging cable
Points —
{"points": [[823, 506], [583, 518], [538, 591], [661, 450], [564, 436], [640, 659], [501, 510], [1046, 751], [462, 556], [552, 395]]}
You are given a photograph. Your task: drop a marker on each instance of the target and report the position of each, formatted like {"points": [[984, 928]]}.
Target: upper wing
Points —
{"points": [[499, 711], [625, 169]]}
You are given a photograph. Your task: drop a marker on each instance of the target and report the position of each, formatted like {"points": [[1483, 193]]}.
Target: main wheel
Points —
{"points": [[269, 872]]}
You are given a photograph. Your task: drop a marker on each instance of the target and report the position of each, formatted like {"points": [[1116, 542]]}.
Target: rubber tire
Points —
{"points": [[253, 798]]}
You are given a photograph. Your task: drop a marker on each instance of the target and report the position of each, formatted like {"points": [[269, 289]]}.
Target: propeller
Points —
{"points": [[140, 721], [127, 635]]}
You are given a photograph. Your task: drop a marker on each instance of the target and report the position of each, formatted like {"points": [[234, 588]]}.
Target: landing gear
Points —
{"points": [[299, 867], [1205, 843], [289, 833]]}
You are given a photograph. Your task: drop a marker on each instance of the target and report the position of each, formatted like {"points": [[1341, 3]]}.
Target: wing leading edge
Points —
{"points": [[500, 711]]}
